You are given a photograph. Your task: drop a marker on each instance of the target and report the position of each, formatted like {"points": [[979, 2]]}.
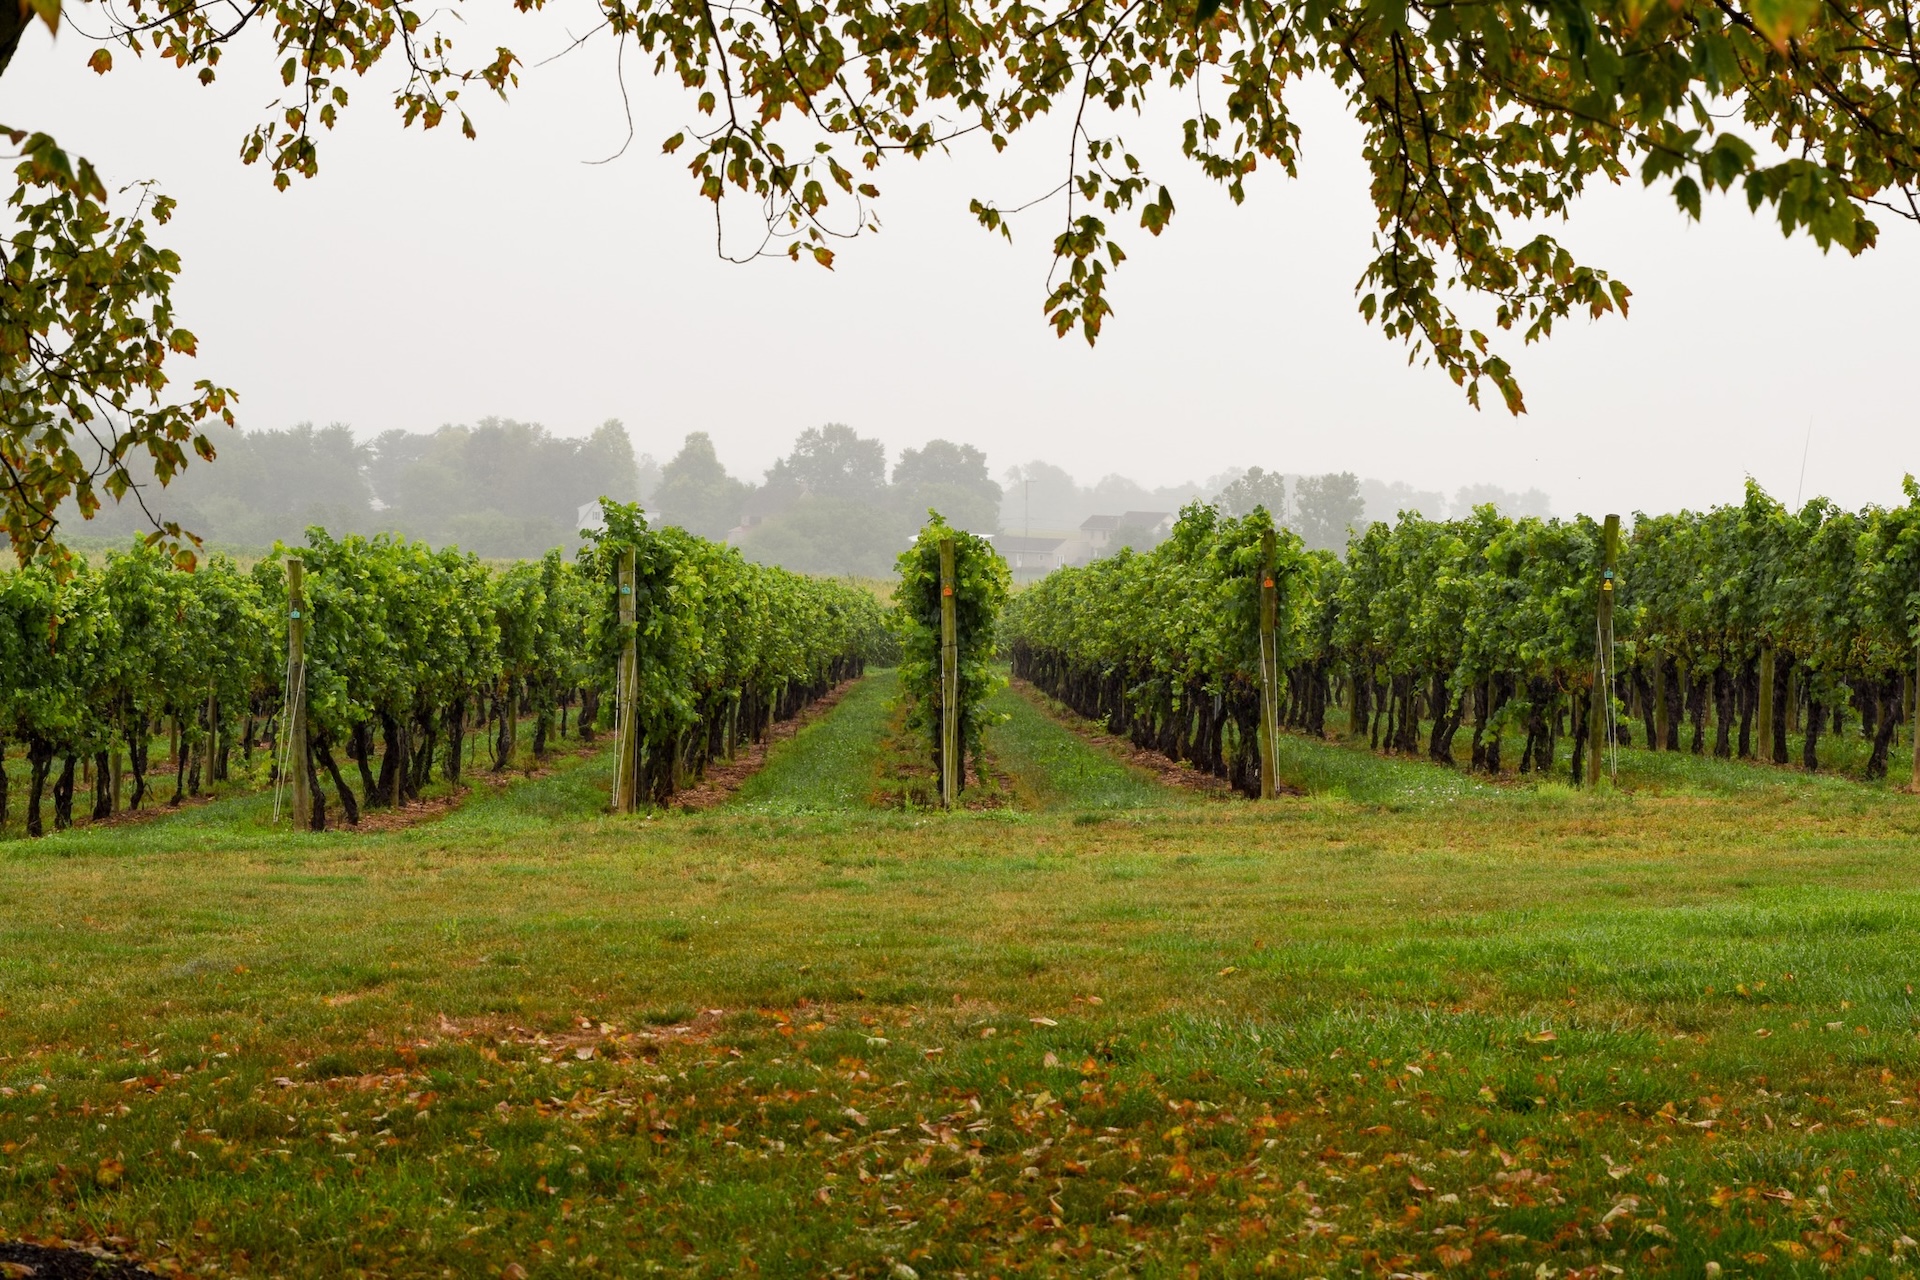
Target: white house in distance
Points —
{"points": [[1030, 558], [1034, 555], [1096, 535], [1099, 535]]}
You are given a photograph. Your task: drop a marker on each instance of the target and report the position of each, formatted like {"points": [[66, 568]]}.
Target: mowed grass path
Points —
{"points": [[1503, 1030], [830, 763], [1055, 768]]}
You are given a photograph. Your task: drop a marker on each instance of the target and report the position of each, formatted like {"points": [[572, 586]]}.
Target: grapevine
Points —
{"points": [[1486, 626], [410, 651], [980, 587]]}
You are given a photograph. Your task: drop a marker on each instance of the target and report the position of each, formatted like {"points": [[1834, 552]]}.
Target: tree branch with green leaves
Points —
{"points": [[86, 330], [1479, 120]]}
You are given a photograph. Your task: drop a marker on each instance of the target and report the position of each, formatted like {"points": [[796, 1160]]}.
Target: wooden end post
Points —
{"points": [[949, 681], [302, 789], [1269, 670], [1602, 700]]}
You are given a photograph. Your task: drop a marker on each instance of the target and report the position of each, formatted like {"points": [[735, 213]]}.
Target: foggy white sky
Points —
{"points": [[425, 279]]}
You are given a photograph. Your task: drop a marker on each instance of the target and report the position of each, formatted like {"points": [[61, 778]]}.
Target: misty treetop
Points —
{"points": [[696, 493], [951, 478], [501, 483], [1326, 508], [1256, 487], [829, 504], [832, 461]]}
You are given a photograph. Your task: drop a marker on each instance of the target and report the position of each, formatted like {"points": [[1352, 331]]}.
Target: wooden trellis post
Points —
{"points": [[296, 754], [1599, 709], [210, 753], [949, 682], [626, 759], [1269, 670], [1915, 717], [1763, 736], [1659, 742]]}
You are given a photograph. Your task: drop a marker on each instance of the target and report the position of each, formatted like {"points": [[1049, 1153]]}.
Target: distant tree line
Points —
{"points": [[1322, 509], [499, 488], [832, 504]]}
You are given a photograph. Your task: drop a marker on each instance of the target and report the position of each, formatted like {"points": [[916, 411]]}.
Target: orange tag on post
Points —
{"points": [[946, 591], [1267, 583]]}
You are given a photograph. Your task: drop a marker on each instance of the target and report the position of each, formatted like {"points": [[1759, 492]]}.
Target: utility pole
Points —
{"points": [[1269, 671], [1599, 709], [296, 754], [626, 756], [949, 682]]}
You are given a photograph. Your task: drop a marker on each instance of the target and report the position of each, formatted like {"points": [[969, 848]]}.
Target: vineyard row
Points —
{"points": [[1750, 621], [408, 651]]}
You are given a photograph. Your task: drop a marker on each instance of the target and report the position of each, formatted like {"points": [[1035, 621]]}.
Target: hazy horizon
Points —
{"points": [[659, 449], [1109, 492]]}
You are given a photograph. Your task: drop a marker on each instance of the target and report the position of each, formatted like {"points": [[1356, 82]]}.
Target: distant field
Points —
{"points": [[1408, 1023]]}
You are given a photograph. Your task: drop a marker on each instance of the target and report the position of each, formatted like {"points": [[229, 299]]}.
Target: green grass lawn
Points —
{"points": [[1384, 1028]]}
